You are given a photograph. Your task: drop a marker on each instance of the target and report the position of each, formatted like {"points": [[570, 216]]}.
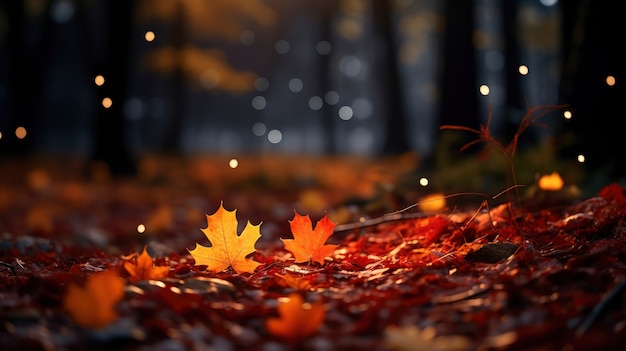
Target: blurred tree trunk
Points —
{"points": [[111, 143], [28, 41]]}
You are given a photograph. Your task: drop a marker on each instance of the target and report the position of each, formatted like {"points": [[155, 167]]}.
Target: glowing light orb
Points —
{"points": [[484, 90], [20, 132], [580, 158], [233, 163], [274, 136], [567, 114], [523, 70], [141, 229], [107, 102], [149, 36], [551, 182], [610, 81], [99, 80], [423, 181]]}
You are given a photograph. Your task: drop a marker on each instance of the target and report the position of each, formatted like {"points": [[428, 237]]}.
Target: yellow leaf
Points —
{"points": [[93, 305], [308, 244], [144, 269], [227, 248], [297, 319]]}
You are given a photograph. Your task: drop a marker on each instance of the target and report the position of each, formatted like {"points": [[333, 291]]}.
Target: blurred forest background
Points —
{"points": [[309, 77]]}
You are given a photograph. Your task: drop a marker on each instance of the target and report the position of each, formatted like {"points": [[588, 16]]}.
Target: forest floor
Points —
{"points": [[528, 269]]}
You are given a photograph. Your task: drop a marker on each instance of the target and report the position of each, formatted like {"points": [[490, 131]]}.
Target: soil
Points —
{"points": [[540, 273]]}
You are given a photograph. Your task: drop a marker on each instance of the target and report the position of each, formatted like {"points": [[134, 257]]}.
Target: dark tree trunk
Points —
{"points": [[111, 144]]}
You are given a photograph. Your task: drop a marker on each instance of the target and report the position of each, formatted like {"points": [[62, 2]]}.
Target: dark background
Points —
{"points": [[166, 101]]}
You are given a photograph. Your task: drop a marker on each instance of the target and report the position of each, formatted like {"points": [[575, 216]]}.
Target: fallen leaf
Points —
{"points": [[308, 243], [297, 283], [492, 252], [227, 248], [93, 305], [410, 338], [297, 320], [143, 268]]}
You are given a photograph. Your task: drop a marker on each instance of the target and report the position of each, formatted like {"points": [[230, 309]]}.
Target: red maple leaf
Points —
{"points": [[308, 244]]}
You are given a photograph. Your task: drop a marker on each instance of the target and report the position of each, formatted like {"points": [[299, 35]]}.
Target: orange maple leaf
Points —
{"points": [[144, 269], [308, 244], [227, 248], [297, 283], [297, 320], [93, 305]]}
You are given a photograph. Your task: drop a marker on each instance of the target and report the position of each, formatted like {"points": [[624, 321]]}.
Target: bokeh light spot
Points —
{"points": [[345, 113], [295, 85], [610, 81], [567, 114], [523, 70], [580, 158], [233, 163], [331, 97], [247, 37], [141, 228], [484, 90], [20, 132], [149, 36], [315, 103], [282, 46], [259, 129], [350, 66], [261, 84], [259, 102], [323, 47], [99, 80], [423, 181], [107, 102], [362, 108], [274, 136], [62, 10]]}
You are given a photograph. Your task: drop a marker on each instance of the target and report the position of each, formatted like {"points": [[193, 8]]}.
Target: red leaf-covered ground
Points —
{"points": [[520, 275]]}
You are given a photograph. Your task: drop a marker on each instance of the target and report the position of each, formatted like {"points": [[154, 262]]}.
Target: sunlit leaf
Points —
{"points": [[308, 244], [227, 248]]}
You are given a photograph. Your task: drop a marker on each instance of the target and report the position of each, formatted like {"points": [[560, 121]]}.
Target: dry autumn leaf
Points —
{"points": [[297, 283], [93, 305], [143, 268], [227, 248], [307, 243], [297, 320]]}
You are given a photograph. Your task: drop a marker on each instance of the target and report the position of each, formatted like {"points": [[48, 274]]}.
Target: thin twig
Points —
{"points": [[10, 267], [600, 308]]}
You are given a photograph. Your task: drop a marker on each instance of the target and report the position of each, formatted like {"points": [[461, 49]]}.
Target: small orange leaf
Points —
{"points": [[227, 248], [297, 283], [144, 269], [297, 319], [93, 305], [308, 244]]}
